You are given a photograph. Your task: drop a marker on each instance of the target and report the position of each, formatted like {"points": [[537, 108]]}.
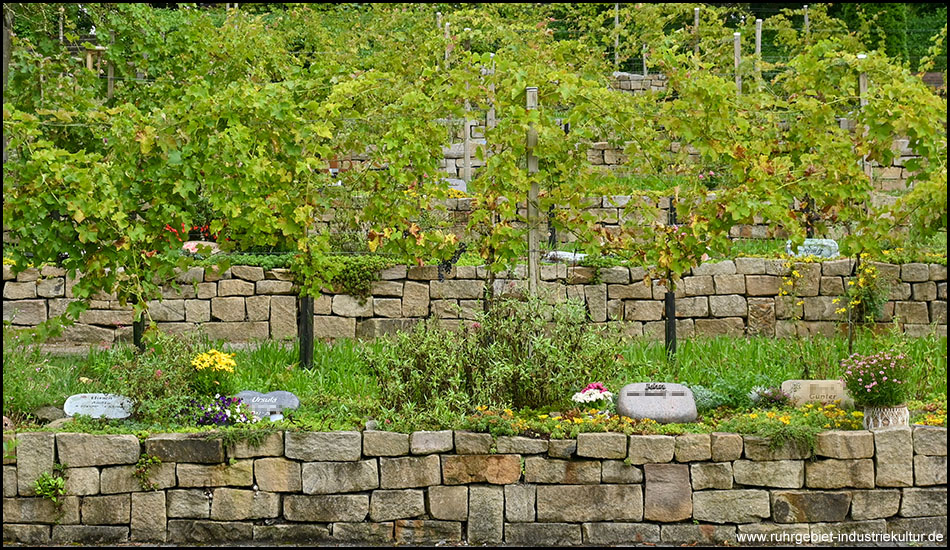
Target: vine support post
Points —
{"points": [[807, 24], [863, 101], [448, 38], [646, 71], [854, 271], [534, 238], [758, 50], [138, 328], [438, 20], [7, 53], [696, 31], [737, 57], [467, 138], [669, 299], [305, 330], [616, 35], [110, 71]]}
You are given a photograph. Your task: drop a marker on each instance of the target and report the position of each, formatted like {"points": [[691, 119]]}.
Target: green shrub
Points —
{"points": [[520, 354]]}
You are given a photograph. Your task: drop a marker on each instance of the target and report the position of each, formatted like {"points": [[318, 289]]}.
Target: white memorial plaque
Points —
{"points": [[269, 405], [665, 403], [816, 391], [823, 248], [98, 405]]}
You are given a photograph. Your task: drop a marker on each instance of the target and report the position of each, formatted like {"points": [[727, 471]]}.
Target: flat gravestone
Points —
{"points": [[820, 391], [823, 248], [269, 405], [98, 405], [665, 403]]}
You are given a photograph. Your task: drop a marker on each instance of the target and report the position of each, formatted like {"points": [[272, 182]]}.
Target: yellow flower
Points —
{"points": [[543, 416], [753, 415], [857, 414]]}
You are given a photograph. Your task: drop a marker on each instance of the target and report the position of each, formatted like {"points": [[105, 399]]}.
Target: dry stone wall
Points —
{"points": [[735, 297], [427, 488]]}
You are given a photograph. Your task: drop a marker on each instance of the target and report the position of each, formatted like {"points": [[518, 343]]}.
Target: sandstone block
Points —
{"points": [[248, 273], [561, 448], [615, 471], [762, 285], [667, 492], [486, 514], [692, 447], [297, 533], [148, 517], [701, 285], [78, 449], [192, 504], [448, 503], [19, 291], [877, 504], [106, 510], [915, 273], [636, 291], [239, 474], [415, 300], [542, 534], [750, 266], [643, 310], [386, 505], [604, 533], [339, 477], [241, 504], [521, 445], [520, 503], [326, 508], [789, 474], [493, 469], [34, 456], [323, 446], [580, 503], [930, 440], [332, 328], [427, 532], [697, 306], [89, 534], [602, 445], [202, 531], [644, 449], [276, 474], [424, 443], [912, 312], [258, 308], [120, 479], [185, 448], [845, 444], [893, 457], [930, 470], [757, 448], [24, 312], [345, 305], [378, 443], [714, 475], [729, 284], [730, 326], [569, 472], [235, 287], [728, 306], [726, 447], [924, 502], [226, 309], [701, 533], [470, 443], [408, 472], [735, 506]]}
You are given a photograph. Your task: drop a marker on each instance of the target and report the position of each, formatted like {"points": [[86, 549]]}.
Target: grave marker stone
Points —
{"points": [[665, 403], [98, 405], [821, 391], [270, 405], [823, 248]]}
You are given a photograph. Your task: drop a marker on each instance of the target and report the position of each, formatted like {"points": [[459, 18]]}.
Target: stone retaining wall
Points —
{"points": [[736, 298], [430, 487]]}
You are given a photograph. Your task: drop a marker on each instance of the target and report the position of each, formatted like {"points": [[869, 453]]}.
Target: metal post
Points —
{"points": [[758, 48], [807, 24], [669, 299], [305, 330], [737, 53], [448, 37], [534, 238], [467, 138], [696, 30], [863, 101], [646, 72], [616, 35]]}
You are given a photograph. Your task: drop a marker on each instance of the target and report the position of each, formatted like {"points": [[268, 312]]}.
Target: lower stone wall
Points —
{"points": [[740, 297], [445, 486]]}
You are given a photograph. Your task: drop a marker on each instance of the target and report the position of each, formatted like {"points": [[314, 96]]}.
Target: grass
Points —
{"points": [[340, 392]]}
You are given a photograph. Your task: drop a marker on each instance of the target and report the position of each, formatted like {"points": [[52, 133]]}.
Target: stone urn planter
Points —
{"points": [[882, 417]]}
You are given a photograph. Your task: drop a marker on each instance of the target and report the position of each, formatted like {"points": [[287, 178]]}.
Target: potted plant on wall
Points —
{"points": [[879, 384]]}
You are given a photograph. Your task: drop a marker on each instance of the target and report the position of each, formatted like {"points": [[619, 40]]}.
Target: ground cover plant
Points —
{"points": [[437, 378]]}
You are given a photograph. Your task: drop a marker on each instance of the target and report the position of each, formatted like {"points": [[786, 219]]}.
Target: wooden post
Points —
{"points": [[616, 35], [696, 30], [305, 330], [7, 53], [438, 19], [534, 238], [737, 53], [490, 116], [62, 11]]}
